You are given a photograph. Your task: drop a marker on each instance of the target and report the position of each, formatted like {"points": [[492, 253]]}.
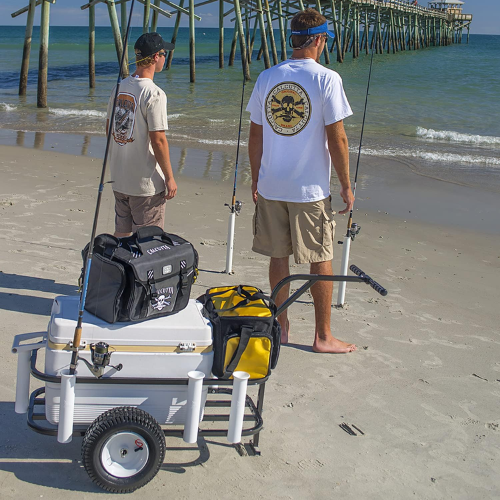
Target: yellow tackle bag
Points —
{"points": [[246, 333]]}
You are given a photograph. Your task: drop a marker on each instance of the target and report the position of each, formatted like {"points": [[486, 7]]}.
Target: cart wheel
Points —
{"points": [[123, 449]]}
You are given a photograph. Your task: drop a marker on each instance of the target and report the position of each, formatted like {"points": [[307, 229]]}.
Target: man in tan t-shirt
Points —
{"points": [[139, 159]]}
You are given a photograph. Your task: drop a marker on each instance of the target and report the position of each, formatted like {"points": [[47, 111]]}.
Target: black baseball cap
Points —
{"points": [[151, 43]]}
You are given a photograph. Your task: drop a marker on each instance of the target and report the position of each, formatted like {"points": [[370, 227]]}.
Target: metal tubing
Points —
{"points": [[66, 407], [23, 382], [237, 406], [193, 406], [343, 269]]}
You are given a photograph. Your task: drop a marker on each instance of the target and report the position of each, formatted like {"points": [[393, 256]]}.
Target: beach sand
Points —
{"points": [[423, 387]]}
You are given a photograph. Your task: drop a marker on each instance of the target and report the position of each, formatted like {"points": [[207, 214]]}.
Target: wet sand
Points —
{"points": [[423, 388]]}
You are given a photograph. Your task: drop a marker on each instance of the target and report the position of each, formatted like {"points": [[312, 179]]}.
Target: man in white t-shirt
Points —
{"points": [[139, 159], [296, 111]]}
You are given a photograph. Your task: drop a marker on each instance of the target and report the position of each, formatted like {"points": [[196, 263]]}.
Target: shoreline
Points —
{"points": [[385, 185]]}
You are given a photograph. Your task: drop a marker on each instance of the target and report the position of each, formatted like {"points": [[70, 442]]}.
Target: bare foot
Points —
{"points": [[332, 345], [285, 332]]}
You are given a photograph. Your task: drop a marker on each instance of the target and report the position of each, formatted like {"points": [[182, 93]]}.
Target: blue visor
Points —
{"points": [[315, 31]]}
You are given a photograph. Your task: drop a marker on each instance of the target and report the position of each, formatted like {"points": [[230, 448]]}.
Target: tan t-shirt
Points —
{"points": [[141, 108]]}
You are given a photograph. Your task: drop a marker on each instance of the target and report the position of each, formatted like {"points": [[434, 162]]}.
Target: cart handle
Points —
{"points": [[311, 279]]}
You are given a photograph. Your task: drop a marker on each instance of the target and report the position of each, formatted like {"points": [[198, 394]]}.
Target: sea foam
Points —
{"points": [[77, 112], [431, 156], [7, 107], [449, 135]]}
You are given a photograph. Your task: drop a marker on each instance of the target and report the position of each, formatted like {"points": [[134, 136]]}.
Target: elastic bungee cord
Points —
{"points": [[353, 228], [88, 262]]}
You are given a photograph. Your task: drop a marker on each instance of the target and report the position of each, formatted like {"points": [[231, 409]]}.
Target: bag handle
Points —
{"points": [[248, 297], [246, 333], [146, 234]]}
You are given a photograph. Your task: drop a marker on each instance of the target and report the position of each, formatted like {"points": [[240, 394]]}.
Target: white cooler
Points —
{"points": [[167, 347]]}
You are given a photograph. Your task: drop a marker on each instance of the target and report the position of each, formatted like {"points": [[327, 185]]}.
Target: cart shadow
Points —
{"points": [[30, 304], [40, 460], [180, 467], [20, 282]]}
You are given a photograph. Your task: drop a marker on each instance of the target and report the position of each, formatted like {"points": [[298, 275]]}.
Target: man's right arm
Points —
{"points": [[160, 148], [255, 149], [339, 153]]}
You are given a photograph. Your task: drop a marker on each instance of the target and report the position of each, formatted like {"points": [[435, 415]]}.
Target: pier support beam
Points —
{"points": [[221, 33], [43, 61], [92, 47], [174, 35], [243, 47], [262, 28], [116, 32], [23, 79], [192, 63]]}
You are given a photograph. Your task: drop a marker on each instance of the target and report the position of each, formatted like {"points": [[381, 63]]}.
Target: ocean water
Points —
{"points": [[435, 110]]}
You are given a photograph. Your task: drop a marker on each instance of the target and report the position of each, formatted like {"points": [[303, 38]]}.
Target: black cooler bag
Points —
{"points": [[146, 275]]}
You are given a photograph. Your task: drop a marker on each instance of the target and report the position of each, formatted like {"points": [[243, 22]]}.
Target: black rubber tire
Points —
{"points": [[119, 420]]}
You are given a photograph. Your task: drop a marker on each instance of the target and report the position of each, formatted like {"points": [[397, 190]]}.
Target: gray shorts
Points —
{"points": [[282, 228], [132, 212]]}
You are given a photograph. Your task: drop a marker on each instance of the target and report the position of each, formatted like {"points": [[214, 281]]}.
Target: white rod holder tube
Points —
{"points": [[237, 411], [66, 407], [193, 406], [230, 243], [23, 381], [343, 270]]}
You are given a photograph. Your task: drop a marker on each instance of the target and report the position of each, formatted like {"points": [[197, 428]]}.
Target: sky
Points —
{"points": [[68, 13]]}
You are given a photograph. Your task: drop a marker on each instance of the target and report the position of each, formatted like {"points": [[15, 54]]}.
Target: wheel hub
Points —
{"points": [[124, 454]]}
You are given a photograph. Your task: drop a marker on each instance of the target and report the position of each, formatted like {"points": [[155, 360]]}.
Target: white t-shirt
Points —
{"points": [[141, 108], [293, 101]]}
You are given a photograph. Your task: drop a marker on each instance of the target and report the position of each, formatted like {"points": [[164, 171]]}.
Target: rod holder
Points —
{"points": [[343, 269], [193, 406], [23, 381], [237, 411], [230, 243], [66, 407]]}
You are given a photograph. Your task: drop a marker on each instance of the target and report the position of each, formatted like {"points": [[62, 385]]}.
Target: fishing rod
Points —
{"points": [[235, 207], [88, 262], [353, 228]]}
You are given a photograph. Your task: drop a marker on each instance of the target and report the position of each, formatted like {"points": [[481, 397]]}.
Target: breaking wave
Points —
{"points": [[78, 112], [449, 135], [431, 156], [7, 107]]}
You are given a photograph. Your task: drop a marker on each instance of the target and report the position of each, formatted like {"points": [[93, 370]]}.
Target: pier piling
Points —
{"points": [[396, 25]]}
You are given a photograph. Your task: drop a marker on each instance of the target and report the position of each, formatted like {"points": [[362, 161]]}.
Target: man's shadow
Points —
{"points": [[29, 303]]}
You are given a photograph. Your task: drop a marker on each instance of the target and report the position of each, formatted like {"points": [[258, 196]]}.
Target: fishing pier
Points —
{"points": [[359, 25]]}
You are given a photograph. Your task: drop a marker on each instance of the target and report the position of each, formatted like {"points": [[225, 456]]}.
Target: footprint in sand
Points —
{"points": [[212, 243]]}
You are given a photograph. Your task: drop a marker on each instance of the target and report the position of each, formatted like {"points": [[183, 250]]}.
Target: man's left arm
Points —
{"points": [[339, 153]]}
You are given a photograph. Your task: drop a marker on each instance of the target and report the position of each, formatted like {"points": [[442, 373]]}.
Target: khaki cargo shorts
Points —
{"points": [[132, 212], [305, 230]]}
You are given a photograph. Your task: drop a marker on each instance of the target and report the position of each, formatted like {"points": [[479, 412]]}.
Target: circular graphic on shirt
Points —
{"points": [[288, 108]]}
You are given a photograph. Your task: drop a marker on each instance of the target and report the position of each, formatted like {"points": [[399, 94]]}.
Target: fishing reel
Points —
{"points": [[237, 207], [352, 232], [100, 356]]}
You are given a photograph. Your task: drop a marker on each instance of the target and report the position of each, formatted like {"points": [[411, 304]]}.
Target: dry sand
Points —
{"points": [[424, 386]]}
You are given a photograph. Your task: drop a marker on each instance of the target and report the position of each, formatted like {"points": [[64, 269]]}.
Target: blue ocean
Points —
{"points": [[436, 110]]}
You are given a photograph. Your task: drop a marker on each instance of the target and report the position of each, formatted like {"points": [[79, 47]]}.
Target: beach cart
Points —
{"points": [[136, 383]]}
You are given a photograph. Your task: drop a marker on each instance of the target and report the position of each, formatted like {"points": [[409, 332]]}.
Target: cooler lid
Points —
{"points": [[188, 325]]}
